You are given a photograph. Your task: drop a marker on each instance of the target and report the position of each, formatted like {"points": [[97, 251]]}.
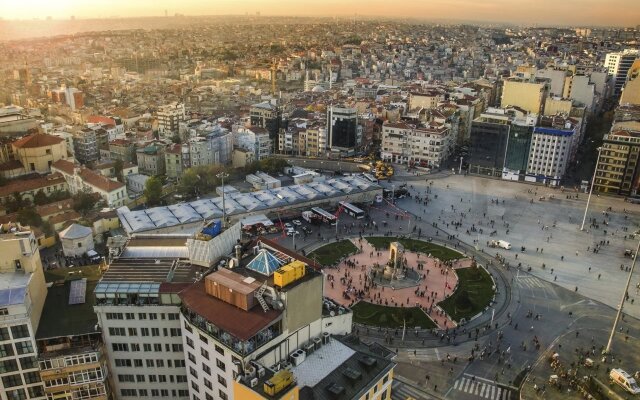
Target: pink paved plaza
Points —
{"points": [[350, 276]]}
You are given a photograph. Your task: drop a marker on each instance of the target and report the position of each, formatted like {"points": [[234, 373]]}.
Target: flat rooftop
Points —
{"points": [[59, 318], [241, 324], [339, 372], [237, 204]]}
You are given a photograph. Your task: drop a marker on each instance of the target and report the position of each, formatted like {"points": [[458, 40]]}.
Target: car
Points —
{"points": [[296, 222], [307, 230], [288, 226], [292, 232]]}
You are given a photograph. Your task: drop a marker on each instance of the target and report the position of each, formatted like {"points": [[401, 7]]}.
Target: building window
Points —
{"points": [[24, 347], [19, 331], [220, 365], [31, 377], [222, 381], [4, 332], [219, 349], [11, 380]]}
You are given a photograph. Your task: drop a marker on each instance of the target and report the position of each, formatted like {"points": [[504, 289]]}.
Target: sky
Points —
{"points": [[542, 12]]}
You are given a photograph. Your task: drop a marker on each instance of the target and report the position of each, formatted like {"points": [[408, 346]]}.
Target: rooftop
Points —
{"points": [[59, 318], [237, 203], [241, 324], [37, 140]]}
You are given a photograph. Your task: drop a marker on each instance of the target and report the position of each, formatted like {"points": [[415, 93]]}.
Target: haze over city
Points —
{"points": [[543, 12]]}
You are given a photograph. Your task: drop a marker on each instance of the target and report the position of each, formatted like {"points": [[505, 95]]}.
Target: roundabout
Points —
{"points": [[393, 282]]}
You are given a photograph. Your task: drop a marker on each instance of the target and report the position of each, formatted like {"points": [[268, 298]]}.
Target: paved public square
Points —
{"points": [[549, 230], [350, 279]]}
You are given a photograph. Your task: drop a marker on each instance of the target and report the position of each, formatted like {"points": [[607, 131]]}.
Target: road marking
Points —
{"points": [[401, 391], [481, 387], [437, 354], [530, 282]]}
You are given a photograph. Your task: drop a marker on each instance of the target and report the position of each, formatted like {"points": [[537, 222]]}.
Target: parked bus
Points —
{"points": [[326, 217], [352, 210]]}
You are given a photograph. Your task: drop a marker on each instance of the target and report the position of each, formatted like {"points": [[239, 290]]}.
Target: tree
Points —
{"points": [[189, 182], [83, 202], [29, 216], [153, 190], [118, 166], [40, 198]]}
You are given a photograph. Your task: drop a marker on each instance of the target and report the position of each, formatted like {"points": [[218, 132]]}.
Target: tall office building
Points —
{"points": [[22, 297], [618, 65], [169, 118], [342, 127], [618, 170]]}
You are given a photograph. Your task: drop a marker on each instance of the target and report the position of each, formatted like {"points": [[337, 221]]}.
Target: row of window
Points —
{"points": [[11, 365], [14, 380], [32, 392], [154, 393], [173, 332], [17, 332], [7, 350], [151, 378], [146, 347], [143, 316], [150, 363]]}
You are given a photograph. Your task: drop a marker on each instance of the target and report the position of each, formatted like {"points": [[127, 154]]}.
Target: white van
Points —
{"points": [[625, 380], [504, 244]]}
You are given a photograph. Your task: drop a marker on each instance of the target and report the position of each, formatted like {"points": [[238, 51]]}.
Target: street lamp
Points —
{"points": [[221, 176], [460, 167], [624, 297], [593, 181]]}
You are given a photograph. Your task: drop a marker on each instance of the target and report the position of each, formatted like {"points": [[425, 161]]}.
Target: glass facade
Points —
{"points": [[488, 148]]}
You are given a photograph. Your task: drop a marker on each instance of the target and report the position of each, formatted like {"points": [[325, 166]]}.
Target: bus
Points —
{"points": [[352, 210], [370, 178], [326, 217]]}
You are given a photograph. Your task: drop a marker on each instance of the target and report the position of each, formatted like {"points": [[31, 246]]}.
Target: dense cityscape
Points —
{"points": [[260, 207]]}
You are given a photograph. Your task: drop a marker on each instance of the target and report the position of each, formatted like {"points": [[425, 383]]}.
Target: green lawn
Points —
{"points": [[437, 251], [474, 292], [331, 253], [390, 317]]}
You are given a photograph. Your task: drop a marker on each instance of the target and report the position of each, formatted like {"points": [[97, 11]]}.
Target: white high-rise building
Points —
{"points": [[22, 296], [618, 65], [169, 118]]}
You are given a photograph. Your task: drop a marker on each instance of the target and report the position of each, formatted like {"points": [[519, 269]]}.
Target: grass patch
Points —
{"points": [[414, 245], [390, 317], [91, 272], [331, 253], [474, 292]]}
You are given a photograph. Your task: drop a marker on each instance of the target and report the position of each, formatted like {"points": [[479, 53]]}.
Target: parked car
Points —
{"points": [[296, 222]]}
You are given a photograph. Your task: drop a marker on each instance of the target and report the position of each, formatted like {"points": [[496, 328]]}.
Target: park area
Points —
{"points": [[390, 317], [332, 253], [418, 246], [474, 293]]}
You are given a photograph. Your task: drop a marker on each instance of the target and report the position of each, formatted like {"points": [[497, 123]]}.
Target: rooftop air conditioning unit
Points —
{"points": [[294, 358], [317, 342], [309, 348], [254, 382], [261, 372], [326, 337], [302, 355]]}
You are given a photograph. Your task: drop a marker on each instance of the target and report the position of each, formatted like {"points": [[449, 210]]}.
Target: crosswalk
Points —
{"points": [[482, 388], [530, 282], [401, 391]]}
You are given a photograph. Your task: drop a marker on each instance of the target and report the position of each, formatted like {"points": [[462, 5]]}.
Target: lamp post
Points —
{"points": [[624, 297], [460, 167], [221, 176], [593, 181]]}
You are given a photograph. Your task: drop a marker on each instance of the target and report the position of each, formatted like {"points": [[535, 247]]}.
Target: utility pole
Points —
{"points": [[460, 167], [593, 181], [221, 176]]}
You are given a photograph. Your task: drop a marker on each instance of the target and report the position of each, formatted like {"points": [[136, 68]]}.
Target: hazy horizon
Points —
{"points": [[623, 13]]}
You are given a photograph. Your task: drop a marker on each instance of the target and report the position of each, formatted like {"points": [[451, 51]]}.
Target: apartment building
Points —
{"points": [[122, 149], [428, 144], [526, 93], [255, 139], [268, 116], [500, 142], [342, 129], [85, 146], [169, 117], [617, 170], [316, 139], [618, 65], [72, 359], [173, 161], [631, 89], [262, 311], [37, 152], [23, 292], [28, 188], [138, 308], [553, 146], [151, 159]]}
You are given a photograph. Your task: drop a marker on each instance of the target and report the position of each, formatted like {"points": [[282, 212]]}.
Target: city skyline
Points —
{"points": [[572, 13]]}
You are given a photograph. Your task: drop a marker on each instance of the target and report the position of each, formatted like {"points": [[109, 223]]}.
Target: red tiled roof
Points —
{"points": [[37, 140], [27, 185], [54, 208], [90, 177], [241, 324], [70, 215]]}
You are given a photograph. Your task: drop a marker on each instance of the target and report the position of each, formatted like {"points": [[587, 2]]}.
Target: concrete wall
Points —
{"points": [[303, 303]]}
